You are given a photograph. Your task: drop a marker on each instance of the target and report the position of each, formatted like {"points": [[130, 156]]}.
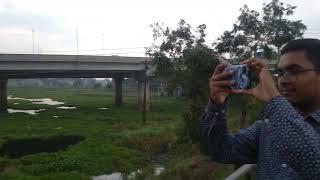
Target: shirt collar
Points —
{"points": [[315, 115]]}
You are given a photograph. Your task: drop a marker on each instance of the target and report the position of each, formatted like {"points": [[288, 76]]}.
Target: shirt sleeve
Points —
{"points": [[238, 148], [295, 139]]}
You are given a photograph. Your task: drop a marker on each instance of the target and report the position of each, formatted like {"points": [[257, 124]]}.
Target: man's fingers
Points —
{"points": [[248, 61], [254, 62], [256, 65], [259, 64], [223, 89], [243, 91], [219, 68], [222, 83], [221, 76]]}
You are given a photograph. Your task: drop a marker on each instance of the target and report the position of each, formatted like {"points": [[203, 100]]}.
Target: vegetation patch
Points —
{"points": [[150, 139], [151, 142]]}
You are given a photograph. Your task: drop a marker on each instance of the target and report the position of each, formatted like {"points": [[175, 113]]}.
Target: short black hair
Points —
{"points": [[309, 45]]}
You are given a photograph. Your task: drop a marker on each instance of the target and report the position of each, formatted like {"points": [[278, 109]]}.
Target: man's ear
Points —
{"points": [[318, 76]]}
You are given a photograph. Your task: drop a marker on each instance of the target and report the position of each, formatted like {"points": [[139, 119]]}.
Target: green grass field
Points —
{"points": [[115, 140]]}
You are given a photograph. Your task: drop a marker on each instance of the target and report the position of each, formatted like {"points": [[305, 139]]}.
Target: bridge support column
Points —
{"points": [[143, 89], [118, 89], [3, 95]]}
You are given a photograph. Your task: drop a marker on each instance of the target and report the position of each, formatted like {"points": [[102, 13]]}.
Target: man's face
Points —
{"points": [[299, 84]]}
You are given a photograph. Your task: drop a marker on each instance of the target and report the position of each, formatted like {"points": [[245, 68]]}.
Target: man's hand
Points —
{"points": [[266, 88], [219, 87]]}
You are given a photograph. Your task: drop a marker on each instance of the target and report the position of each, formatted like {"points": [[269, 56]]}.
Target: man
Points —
{"points": [[284, 142]]}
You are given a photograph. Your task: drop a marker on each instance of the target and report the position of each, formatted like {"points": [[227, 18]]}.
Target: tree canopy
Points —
{"points": [[183, 57], [266, 31]]}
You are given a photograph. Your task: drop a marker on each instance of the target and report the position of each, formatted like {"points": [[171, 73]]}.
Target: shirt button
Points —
{"points": [[284, 165], [266, 120]]}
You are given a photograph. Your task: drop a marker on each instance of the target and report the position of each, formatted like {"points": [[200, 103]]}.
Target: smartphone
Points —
{"points": [[241, 76]]}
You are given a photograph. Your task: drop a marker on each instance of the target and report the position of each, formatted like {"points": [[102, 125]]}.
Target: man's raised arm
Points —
{"points": [[238, 148]]}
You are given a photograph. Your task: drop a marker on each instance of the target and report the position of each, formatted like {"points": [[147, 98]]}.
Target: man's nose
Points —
{"points": [[283, 80]]}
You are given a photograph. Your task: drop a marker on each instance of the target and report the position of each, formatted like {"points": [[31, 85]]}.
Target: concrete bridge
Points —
{"points": [[19, 66]]}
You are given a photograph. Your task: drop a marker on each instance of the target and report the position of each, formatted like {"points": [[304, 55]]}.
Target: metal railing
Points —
{"points": [[243, 170]]}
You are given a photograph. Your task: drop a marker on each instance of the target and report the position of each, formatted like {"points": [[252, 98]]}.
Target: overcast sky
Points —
{"points": [[50, 26]]}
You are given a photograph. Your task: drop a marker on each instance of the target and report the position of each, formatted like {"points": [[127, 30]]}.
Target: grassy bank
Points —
{"points": [[112, 140], [115, 140]]}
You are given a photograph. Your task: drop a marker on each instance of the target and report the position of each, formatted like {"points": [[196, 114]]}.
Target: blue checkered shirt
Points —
{"points": [[282, 143]]}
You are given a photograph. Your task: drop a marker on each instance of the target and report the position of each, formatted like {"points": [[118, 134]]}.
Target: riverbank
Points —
{"points": [[110, 139]]}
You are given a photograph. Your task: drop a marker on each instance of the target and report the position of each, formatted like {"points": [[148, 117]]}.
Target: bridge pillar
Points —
{"points": [[118, 89], [141, 90], [3, 95]]}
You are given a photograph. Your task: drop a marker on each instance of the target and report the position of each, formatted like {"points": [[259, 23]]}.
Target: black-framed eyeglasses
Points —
{"points": [[293, 72]]}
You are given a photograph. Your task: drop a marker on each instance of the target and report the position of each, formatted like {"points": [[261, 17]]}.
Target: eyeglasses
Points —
{"points": [[293, 72]]}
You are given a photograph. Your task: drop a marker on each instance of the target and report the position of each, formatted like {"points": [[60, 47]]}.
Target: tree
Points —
{"points": [[182, 59], [267, 31], [279, 29]]}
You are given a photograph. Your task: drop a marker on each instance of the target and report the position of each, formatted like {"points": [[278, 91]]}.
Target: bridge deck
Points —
{"points": [[72, 58], [67, 66]]}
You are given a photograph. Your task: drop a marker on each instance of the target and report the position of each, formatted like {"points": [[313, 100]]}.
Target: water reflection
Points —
{"points": [[32, 112], [113, 176], [132, 175], [46, 101], [158, 170], [66, 107]]}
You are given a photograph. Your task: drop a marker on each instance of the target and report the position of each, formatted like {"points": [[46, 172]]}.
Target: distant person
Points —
{"points": [[284, 142]]}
